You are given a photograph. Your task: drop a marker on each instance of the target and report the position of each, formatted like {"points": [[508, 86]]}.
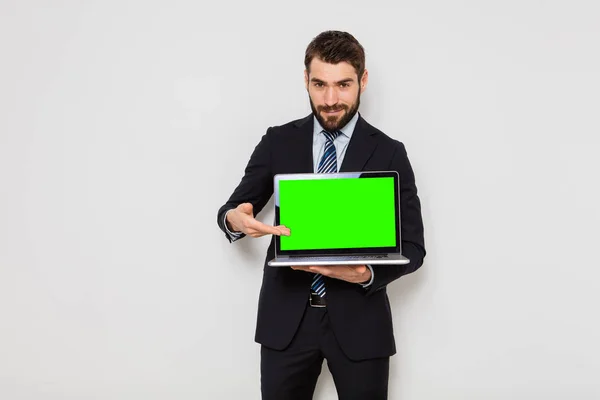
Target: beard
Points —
{"points": [[335, 123]]}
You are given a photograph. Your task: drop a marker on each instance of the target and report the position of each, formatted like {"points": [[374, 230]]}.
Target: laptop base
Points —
{"points": [[373, 259]]}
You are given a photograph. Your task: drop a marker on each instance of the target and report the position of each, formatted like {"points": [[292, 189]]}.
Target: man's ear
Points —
{"points": [[364, 81], [306, 79]]}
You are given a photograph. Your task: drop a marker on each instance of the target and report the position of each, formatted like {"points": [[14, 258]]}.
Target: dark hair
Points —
{"points": [[334, 47]]}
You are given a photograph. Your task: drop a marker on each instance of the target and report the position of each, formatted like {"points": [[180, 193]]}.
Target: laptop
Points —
{"points": [[348, 218]]}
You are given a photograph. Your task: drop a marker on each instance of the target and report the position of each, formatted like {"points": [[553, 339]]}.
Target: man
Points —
{"points": [[338, 313]]}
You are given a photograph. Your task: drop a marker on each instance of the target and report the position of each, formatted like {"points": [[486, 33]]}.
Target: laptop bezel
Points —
{"points": [[340, 251]]}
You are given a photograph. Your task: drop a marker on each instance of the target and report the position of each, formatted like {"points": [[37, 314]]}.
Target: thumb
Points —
{"points": [[361, 269], [246, 208]]}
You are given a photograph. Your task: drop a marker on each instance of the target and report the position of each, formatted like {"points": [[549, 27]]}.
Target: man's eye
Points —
{"points": [[317, 84], [344, 85]]}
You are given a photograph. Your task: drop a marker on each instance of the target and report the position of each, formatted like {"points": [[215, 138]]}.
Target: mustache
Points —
{"points": [[332, 108]]}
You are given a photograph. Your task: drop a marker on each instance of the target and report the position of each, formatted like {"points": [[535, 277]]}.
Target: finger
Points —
{"points": [[321, 269], [284, 230], [264, 228], [300, 268], [250, 225], [359, 268]]}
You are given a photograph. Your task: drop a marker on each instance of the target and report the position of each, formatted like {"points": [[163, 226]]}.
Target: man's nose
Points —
{"points": [[331, 96]]}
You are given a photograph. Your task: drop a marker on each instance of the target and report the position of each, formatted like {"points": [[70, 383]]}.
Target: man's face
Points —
{"points": [[334, 92]]}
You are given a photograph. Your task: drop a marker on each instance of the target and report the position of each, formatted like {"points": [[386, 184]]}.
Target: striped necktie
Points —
{"points": [[328, 164]]}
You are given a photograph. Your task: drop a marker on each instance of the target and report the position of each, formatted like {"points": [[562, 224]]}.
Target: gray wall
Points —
{"points": [[124, 125]]}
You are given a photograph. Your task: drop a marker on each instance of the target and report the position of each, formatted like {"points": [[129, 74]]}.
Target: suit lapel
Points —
{"points": [[361, 147]]}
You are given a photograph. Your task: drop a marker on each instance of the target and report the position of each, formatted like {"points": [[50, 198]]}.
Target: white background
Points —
{"points": [[125, 125]]}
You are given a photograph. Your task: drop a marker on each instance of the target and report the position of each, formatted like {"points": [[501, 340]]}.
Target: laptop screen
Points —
{"points": [[338, 213]]}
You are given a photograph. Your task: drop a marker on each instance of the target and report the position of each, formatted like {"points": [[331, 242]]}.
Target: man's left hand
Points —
{"points": [[348, 273]]}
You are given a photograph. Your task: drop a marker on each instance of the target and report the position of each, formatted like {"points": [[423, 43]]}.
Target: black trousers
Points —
{"points": [[291, 374]]}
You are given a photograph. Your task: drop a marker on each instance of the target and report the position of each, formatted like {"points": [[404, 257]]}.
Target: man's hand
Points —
{"points": [[241, 219], [348, 273]]}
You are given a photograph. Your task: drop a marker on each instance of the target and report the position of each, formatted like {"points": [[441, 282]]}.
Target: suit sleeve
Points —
{"points": [[256, 186], [411, 225]]}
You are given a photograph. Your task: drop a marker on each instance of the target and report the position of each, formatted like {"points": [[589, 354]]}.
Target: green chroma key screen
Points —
{"points": [[338, 213]]}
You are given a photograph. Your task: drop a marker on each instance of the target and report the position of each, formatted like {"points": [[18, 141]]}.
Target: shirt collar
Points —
{"points": [[347, 130]]}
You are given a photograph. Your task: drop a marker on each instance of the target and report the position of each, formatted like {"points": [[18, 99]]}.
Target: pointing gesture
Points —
{"points": [[241, 219]]}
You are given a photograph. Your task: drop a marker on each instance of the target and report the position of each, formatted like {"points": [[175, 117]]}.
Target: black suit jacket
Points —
{"points": [[360, 318]]}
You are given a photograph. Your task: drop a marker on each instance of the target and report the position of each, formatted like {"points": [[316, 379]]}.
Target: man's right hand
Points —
{"points": [[241, 219]]}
